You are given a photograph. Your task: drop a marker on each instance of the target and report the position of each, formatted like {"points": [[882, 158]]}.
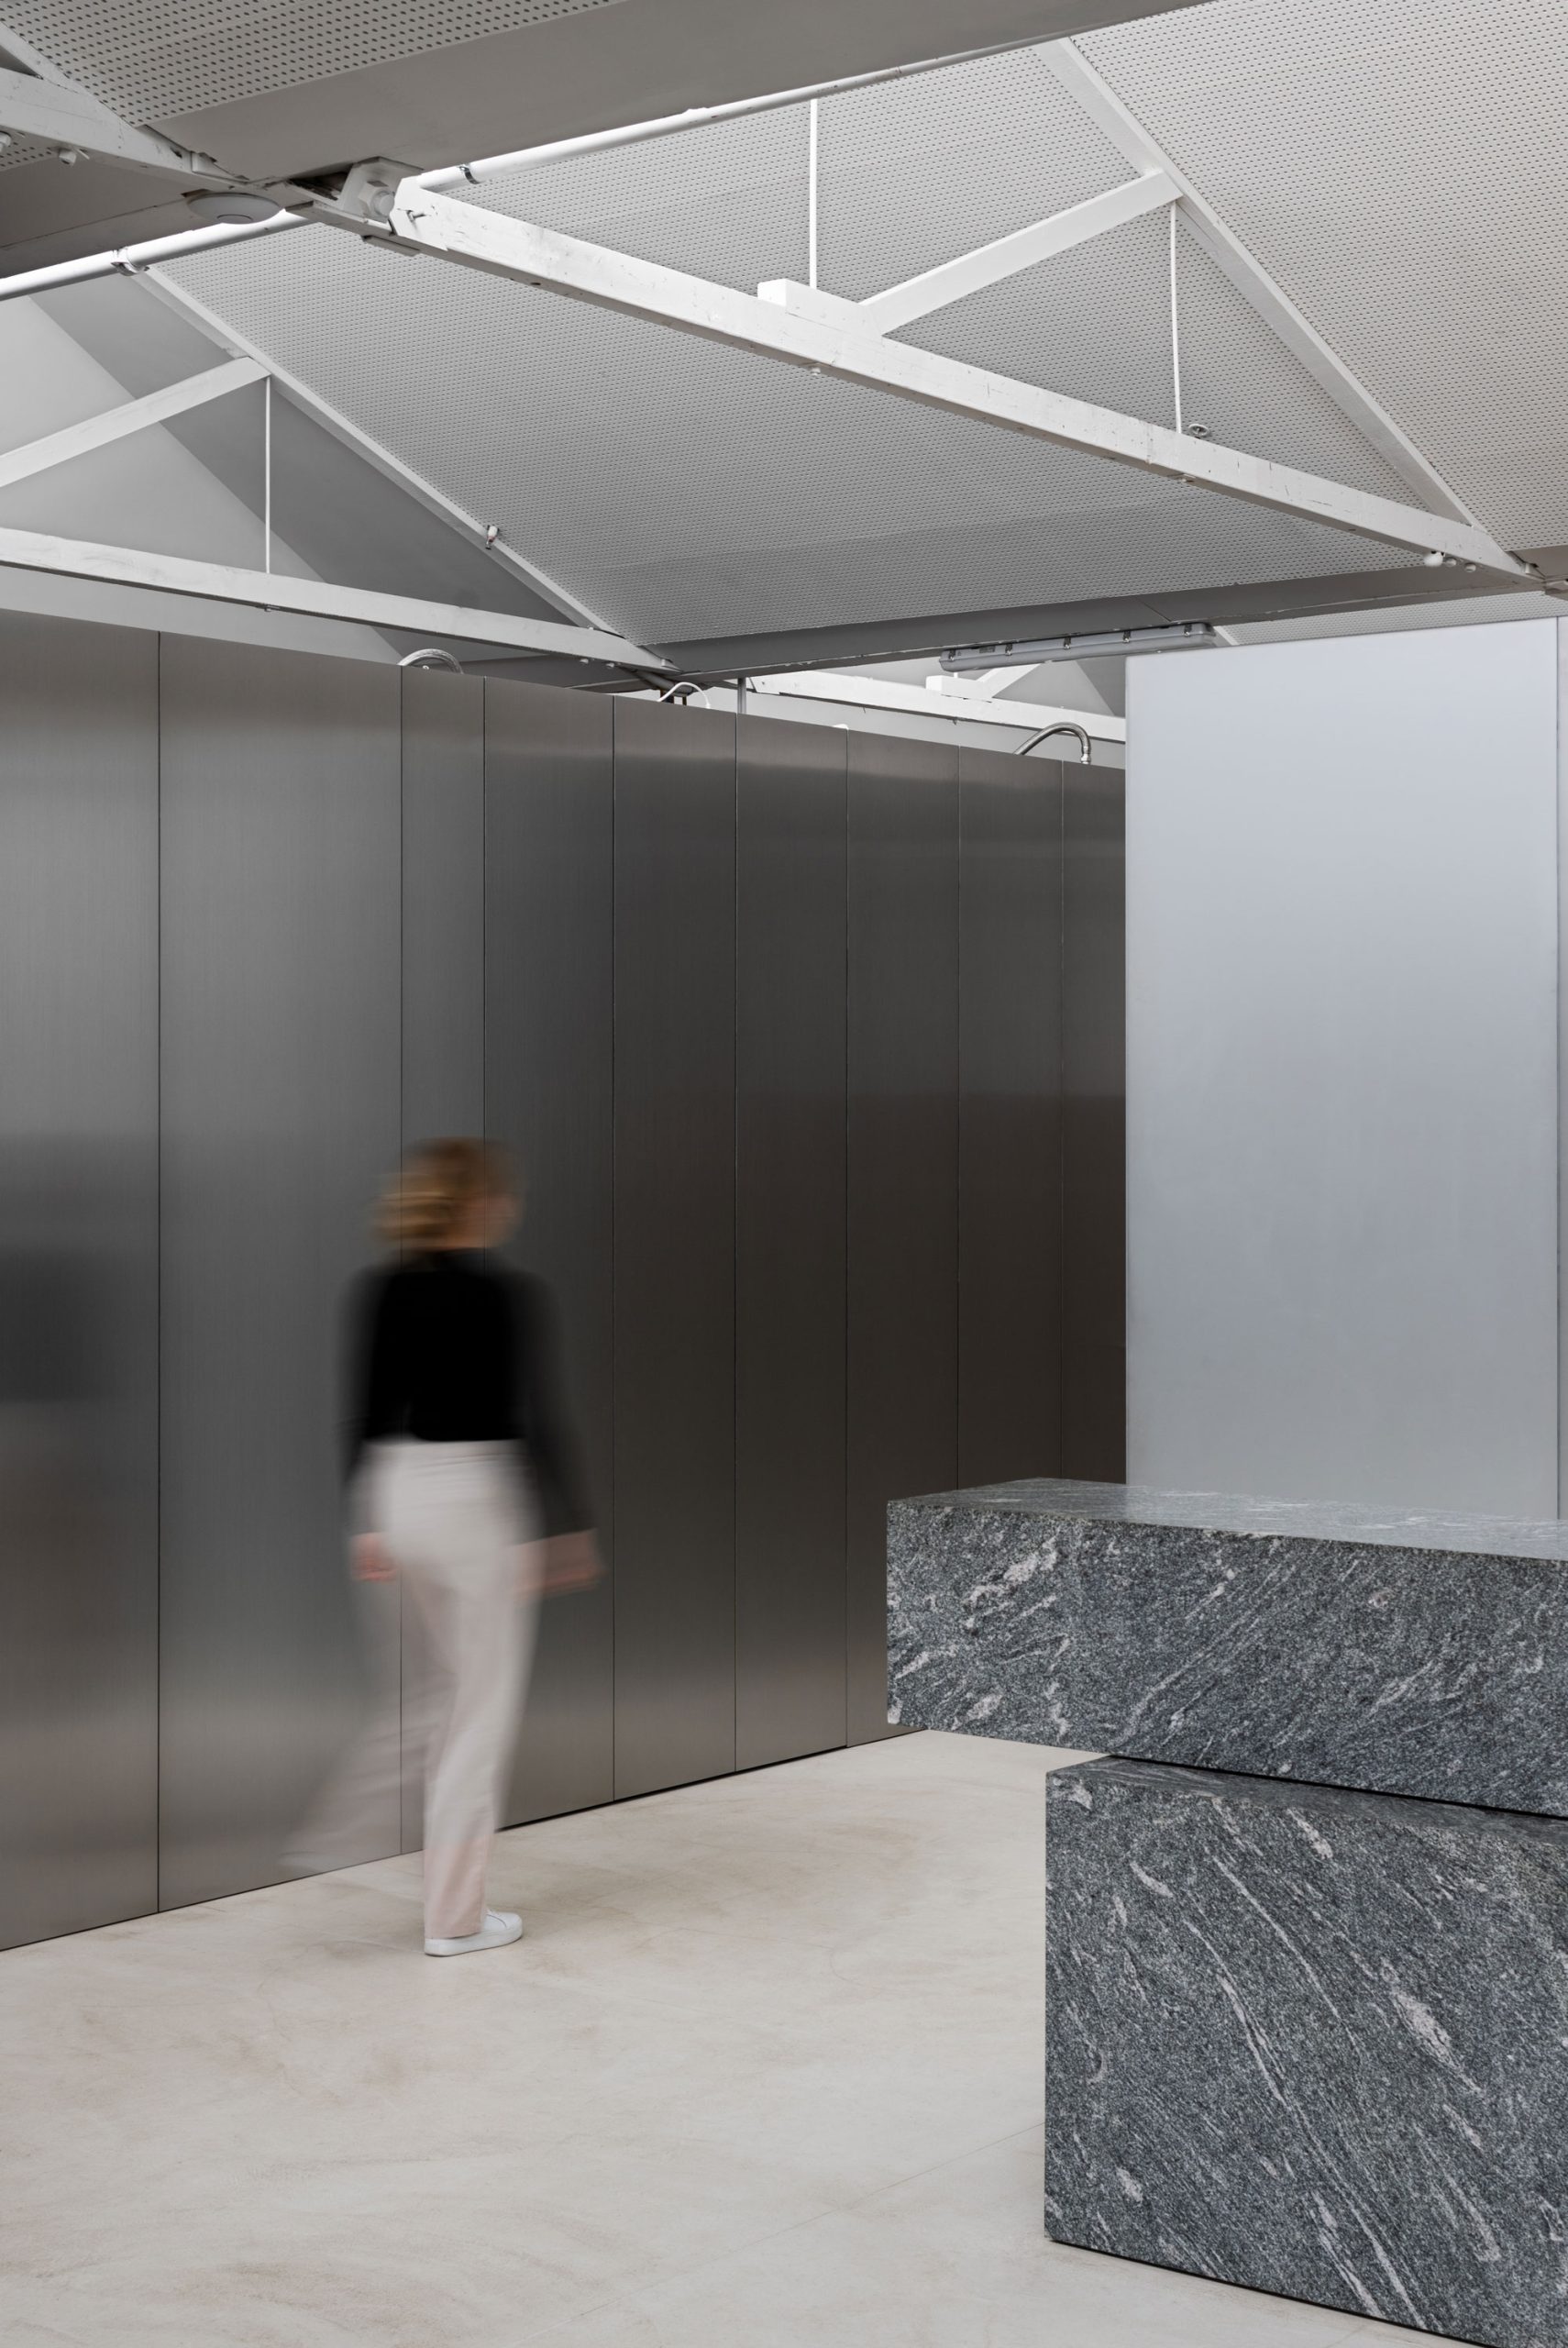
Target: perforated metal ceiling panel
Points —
{"points": [[1400, 167], [681, 488], [150, 58]]}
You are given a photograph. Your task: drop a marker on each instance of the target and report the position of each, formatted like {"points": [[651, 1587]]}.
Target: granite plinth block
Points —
{"points": [[1388, 1651], [1312, 2041]]}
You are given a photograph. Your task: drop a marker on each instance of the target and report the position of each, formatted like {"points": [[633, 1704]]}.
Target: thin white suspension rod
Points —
{"points": [[812, 197], [1175, 327]]}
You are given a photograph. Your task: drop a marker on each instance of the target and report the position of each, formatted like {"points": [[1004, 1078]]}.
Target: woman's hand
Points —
{"points": [[370, 1559], [571, 1561]]}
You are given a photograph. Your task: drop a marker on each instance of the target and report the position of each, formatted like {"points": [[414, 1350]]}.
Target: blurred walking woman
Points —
{"points": [[464, 1482]]}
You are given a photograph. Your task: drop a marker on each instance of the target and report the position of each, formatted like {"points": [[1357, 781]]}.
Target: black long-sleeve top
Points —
{"points": [[451, 1348]]}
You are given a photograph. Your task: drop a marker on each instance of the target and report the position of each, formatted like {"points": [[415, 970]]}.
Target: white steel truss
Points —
{"points": [[318, 599], [422, 222], [133, 416], [424, 493]]}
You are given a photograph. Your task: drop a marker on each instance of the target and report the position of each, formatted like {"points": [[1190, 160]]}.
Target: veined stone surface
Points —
{"points": [[1391, 1651], [1312, 2041]]}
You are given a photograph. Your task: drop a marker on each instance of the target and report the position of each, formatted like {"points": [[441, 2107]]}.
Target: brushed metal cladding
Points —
{"points": [[1094, 1127], [78, 1275], [675, 1230], [550, 973], [1010, 1116], [1343, 1070], [281, 1114], [443, 903], [443, 989], [791, 1140], [902, 1411]]}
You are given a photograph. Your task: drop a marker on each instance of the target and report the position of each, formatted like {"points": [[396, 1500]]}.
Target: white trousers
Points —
{"points": [[459, 1524]]}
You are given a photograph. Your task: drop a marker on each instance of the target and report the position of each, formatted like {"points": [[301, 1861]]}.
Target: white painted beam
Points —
{"points": [[473, 527], [1115, 119], [272, 590], [62, 114], [116, 423], [875, 693], [543, 258], [989, 264]]}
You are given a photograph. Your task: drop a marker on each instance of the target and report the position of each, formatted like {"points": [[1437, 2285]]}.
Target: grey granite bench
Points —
{"points": [[1308, 1958]]}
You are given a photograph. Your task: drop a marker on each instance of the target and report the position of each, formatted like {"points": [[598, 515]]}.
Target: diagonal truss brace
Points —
{"points": [[300, 395], [988, 264], [420, 221], [1117, 122], [133, 416], [970, 273]]}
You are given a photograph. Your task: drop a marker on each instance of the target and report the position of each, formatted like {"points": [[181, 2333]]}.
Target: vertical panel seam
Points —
{"points": [[157, 1261]]}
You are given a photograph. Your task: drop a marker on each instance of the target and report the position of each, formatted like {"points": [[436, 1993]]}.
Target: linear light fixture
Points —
{"points": [[1186, 636]]}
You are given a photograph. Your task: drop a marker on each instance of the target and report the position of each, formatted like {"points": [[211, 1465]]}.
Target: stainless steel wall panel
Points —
{"points": [[443, 985], [1094, 1078], [1010, 1117], [281, 1114], [443, 903], [904, 1167], [78, 1275], [675, 911], [790, 1269], [548, 1058]]}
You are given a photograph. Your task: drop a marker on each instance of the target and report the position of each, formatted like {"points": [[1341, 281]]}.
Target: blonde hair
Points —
{"points": [[434, 1185]]}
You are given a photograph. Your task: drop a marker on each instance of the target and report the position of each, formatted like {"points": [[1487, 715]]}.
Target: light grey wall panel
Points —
{"points": [[1093, 1125], [675, 1229], [548, 1056], [78, 1275], [790, 1146], [903, 1169], [1343, 1070], [1010, 1117], [281, 1114]]}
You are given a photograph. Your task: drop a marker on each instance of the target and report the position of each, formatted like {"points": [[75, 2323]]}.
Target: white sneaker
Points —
{"points": [[495, 1932]]}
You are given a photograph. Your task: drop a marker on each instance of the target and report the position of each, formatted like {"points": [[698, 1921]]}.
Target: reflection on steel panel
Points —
{"points": [[443, 903], [443, 986], [549, 975], [78, 1275], [674, 1494], [904, 1167], [280, 1077], [790, 1129], [1094, 1394], [1009, 1153]]}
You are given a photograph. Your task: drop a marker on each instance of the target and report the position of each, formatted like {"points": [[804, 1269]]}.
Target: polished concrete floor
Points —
{"points": [[763, 2073]]}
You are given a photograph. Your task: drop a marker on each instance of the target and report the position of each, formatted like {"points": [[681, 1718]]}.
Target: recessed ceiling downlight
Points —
{"points": [[229, 207]]}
